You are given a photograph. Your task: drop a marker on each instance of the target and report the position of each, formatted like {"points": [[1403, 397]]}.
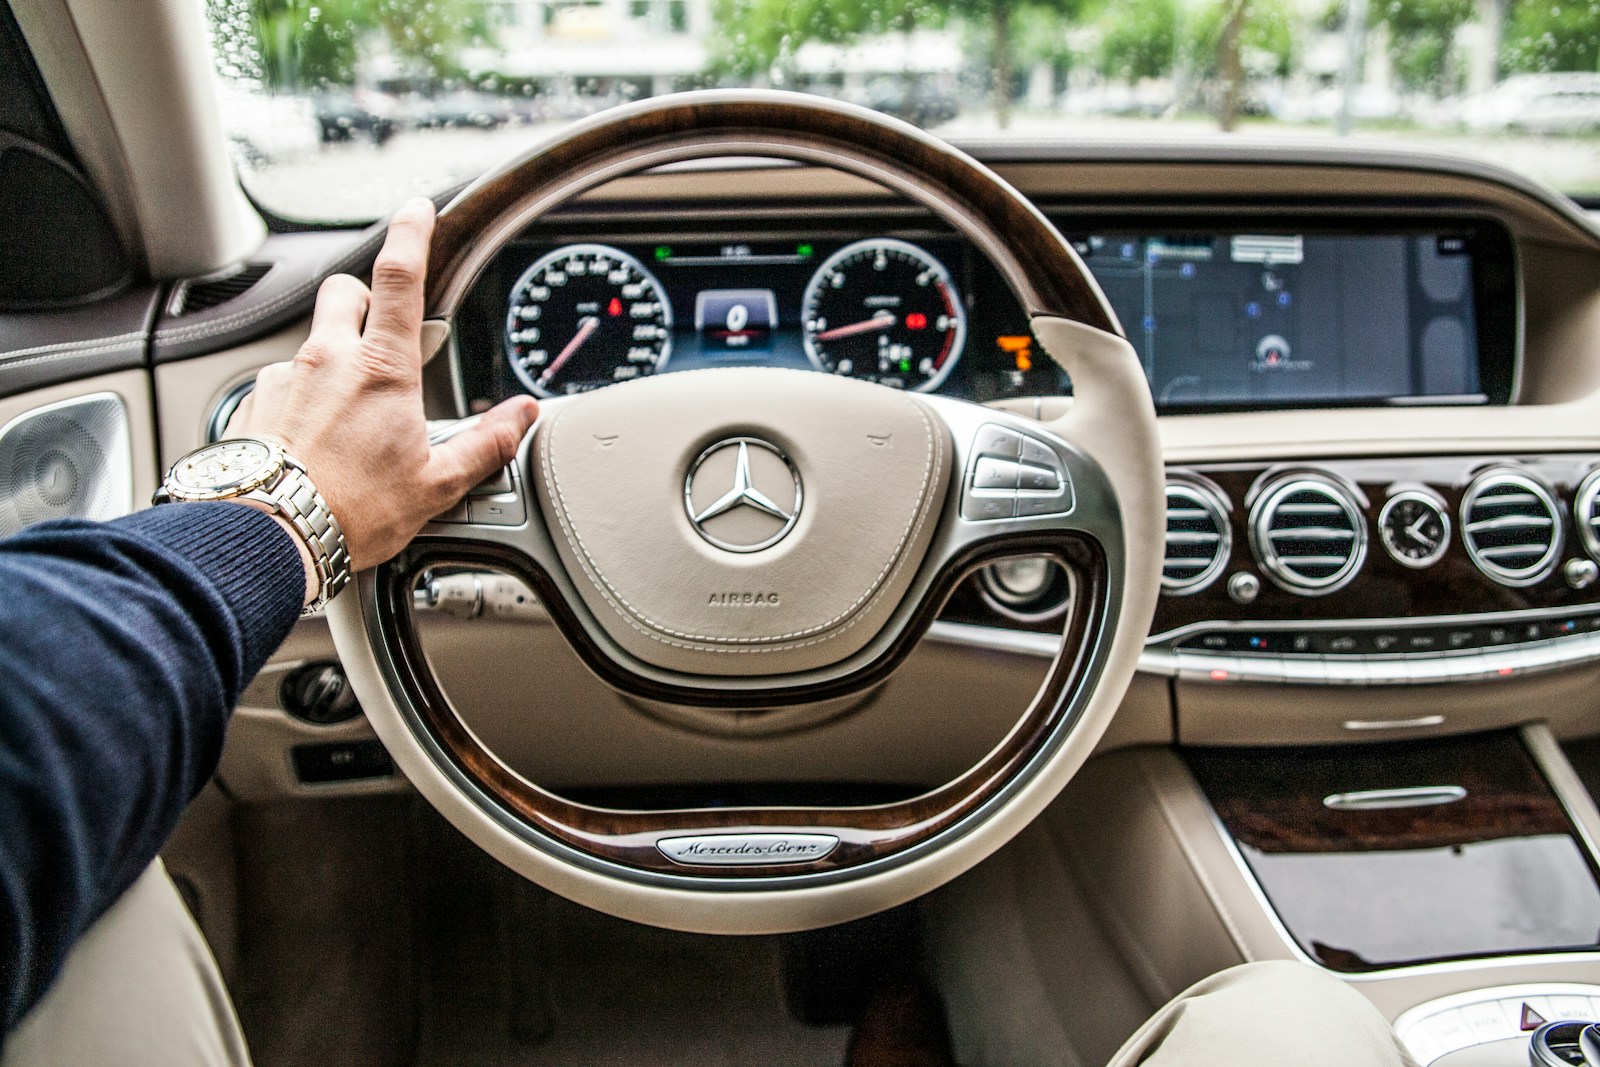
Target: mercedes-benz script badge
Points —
{"points": [[742, 495]]}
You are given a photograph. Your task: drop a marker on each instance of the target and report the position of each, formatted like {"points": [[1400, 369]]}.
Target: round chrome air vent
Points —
{"points": [[1511, 527], [1026, 588], [1308, 534], [1199, 538], [1586, 512]]}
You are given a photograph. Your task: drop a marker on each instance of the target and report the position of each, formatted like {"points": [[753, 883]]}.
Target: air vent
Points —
{"points": [[1308, 534], [1511, 527], [1586, 510], [1199, 538], [211, 292]]}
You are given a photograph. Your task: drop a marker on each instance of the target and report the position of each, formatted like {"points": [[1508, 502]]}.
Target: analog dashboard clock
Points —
{"points": [[1415, 528]]}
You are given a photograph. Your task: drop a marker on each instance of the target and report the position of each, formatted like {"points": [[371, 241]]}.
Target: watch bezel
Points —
{"points": [[259, 477]]}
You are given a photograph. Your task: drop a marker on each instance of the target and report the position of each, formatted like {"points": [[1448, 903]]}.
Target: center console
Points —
{"points": [[1387, 860], [1452, 881], [1391, 855]]}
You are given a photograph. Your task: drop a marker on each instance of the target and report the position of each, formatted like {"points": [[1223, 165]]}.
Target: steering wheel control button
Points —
{"points": [[981, 505], [743, 495], [458, 513], [997, 441], [998, 486], [502, 509], [498, 482], [991, 473], [747, 850], [1039, 454], [1039, 479]]}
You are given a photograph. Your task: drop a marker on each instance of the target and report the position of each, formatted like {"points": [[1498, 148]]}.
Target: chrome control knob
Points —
{"points": [[1244, 587]]}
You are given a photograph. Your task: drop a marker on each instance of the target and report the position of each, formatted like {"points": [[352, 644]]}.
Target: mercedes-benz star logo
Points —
{"points": [[762, 502]]}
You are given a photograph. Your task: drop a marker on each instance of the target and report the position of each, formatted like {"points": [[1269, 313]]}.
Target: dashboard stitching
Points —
{"points": [[64, 348], [655, 630]]}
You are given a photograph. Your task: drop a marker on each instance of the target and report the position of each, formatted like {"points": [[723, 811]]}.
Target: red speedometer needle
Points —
{"points": [[586, 329], [881, 321]]}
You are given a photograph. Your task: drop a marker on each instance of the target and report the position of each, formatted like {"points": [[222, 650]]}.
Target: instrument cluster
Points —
{"points": [[913, 311]]}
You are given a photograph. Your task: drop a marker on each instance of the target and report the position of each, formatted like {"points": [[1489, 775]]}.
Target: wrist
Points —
{"points": [[261, 474], [313, 583]]}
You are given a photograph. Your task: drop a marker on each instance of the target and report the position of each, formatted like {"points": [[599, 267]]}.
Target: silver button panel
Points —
{"points": [[1013, 475], [1378, 652], [1440, 1027]]}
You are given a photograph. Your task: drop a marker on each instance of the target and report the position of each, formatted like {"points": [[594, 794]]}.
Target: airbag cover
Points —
{"points": [[742, 594]]}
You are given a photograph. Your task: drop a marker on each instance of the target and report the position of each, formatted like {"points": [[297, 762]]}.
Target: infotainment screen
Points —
{"points": [[1301, 319]]}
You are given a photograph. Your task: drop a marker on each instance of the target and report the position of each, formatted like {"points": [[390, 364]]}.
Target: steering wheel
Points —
{"points": [[757, 539]]}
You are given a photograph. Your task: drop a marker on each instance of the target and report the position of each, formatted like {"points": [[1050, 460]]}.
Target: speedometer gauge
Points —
{"points": [[884, 311], [584, 316]]}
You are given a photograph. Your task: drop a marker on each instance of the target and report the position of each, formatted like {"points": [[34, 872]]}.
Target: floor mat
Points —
{"points": [[376, 936]]}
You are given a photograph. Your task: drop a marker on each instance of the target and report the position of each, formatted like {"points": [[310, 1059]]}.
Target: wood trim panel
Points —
{"points": [[1383, 588]]}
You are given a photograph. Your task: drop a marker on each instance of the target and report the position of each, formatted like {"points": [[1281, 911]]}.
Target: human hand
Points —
{"points": [[349, 405]]}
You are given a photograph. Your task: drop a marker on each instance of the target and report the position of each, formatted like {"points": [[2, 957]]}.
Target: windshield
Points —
{"points": [[337, 110]]}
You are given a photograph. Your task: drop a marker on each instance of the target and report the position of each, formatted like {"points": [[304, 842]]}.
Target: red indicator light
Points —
{"points": [[614, 308], [916, 321], [1504, 672], [1219, 675]]}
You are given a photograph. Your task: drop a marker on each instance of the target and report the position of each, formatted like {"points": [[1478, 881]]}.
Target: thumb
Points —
{"points": [[475, 453]]}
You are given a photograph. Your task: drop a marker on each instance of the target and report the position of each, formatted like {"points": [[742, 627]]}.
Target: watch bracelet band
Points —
{"points": [[298, 501]]}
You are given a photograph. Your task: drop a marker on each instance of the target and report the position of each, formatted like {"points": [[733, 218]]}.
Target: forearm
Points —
{"points": [[126, 646]]}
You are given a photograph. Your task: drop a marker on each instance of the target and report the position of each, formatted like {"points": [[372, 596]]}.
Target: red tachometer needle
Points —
{"points": [[881, 321], [586, 329]]}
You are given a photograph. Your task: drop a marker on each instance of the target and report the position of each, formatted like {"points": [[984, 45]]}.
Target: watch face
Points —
{"points": [[1415, 529], [224, 468]]}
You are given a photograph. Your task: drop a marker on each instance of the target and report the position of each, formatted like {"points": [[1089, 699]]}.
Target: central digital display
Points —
{"points": [[1223, 317], [1242, 319]]}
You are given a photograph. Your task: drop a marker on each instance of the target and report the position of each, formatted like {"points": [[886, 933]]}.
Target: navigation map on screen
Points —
{"points": [[1271, 318]]}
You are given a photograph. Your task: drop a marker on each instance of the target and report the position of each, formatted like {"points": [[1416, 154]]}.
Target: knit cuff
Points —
{"points": [[251, 561]]}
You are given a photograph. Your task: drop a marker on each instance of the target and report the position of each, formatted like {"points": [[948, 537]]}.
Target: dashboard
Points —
{"points": [[1438, 544], [1298, 314], [1257, 639]]}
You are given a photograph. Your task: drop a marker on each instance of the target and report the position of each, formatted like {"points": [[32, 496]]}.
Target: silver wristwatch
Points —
{"points": [[248, 469]]}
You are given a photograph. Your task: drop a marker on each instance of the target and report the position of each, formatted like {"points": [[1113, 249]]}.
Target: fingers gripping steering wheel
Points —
{"points": [[872, 507]]}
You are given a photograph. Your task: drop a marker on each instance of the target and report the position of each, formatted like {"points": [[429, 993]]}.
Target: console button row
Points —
{"points": [[1013, 475], [1381, 656], [1430, 1034], [1397, 641]]}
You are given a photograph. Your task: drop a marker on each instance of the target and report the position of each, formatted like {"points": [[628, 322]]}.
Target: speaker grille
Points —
{"points": [[71, 460], [1511, 527], [1309, 535]]}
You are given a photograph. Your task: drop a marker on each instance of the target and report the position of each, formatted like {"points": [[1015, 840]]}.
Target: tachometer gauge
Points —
{"points": [[884, 311], [584, 316]]}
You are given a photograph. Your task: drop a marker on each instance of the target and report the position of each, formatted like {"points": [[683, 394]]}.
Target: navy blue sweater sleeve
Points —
{"points": [[123, 648]]}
